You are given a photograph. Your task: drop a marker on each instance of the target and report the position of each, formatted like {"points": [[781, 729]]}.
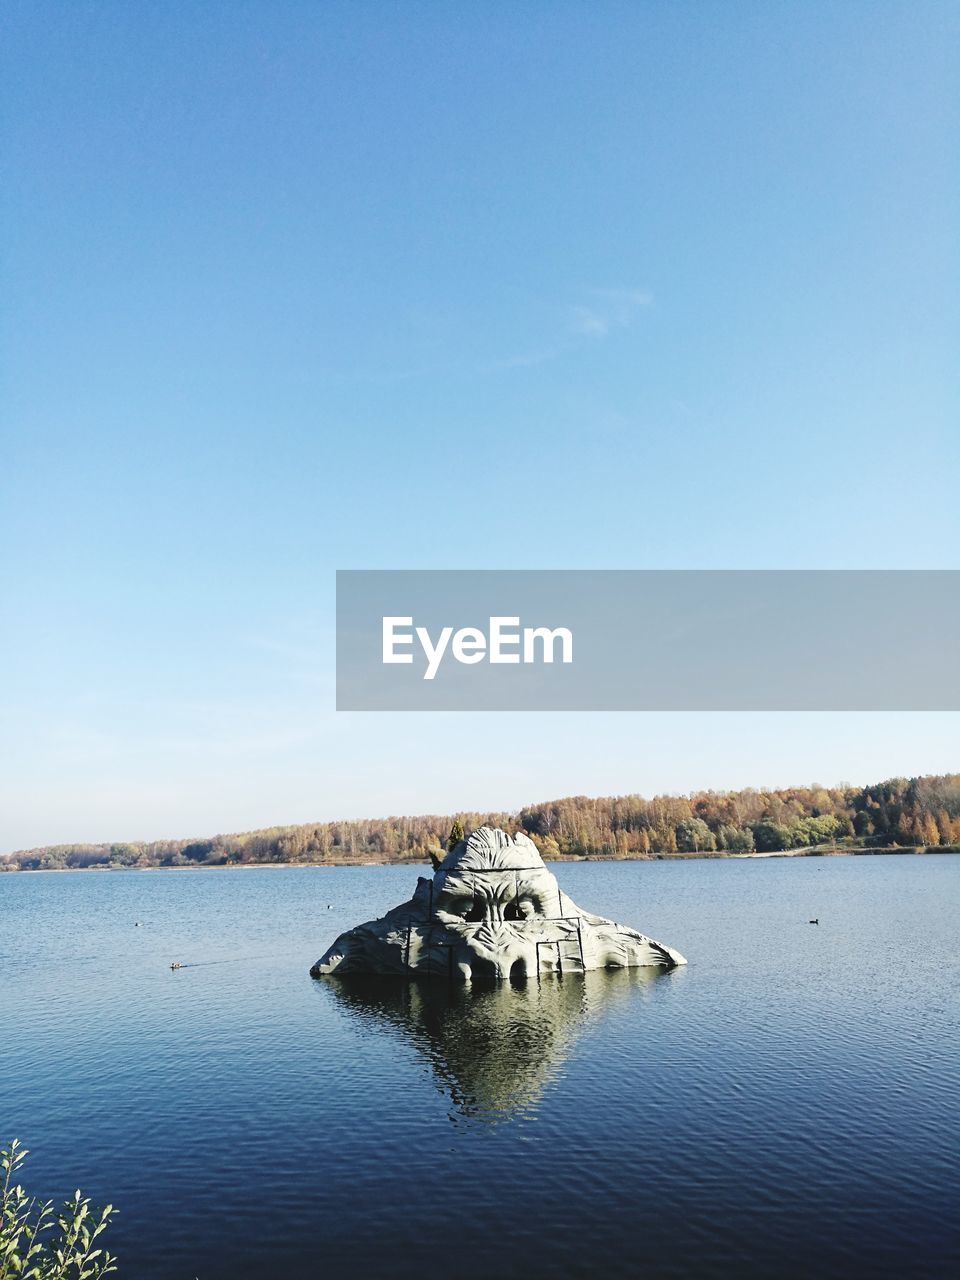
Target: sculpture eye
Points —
{"points": [[475, 911], [520, 909]]}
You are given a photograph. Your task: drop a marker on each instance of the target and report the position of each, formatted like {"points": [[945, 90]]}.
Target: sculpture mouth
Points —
{"points": [[484, 971]]}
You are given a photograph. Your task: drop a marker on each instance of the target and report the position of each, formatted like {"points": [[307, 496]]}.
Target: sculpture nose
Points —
{"points": [[486, 909]]}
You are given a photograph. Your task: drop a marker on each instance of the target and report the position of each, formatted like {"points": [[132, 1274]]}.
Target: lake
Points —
{"points": [[786, 1105]]}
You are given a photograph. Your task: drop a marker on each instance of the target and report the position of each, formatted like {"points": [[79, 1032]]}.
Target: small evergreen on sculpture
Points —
{"points": [[491, 910]]}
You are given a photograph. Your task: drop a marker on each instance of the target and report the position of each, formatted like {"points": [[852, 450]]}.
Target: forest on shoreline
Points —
{"points": [[900, 813]]}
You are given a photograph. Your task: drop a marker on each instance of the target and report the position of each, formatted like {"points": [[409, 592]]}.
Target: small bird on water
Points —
{"points": [[817, 921], [176, 965]]}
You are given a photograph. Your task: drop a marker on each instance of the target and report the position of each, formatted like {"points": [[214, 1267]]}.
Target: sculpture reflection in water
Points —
{"points": [[492, 1048]]}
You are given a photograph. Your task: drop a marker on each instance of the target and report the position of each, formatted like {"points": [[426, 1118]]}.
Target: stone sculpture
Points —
{"points": [[492, 910]]}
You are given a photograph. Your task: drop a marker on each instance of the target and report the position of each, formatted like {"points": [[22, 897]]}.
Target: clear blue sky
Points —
{"points": [[289, 287]]}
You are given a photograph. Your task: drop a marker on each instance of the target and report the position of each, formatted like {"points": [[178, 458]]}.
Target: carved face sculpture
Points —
{"points": [[492, 881], [494, 892], [492, 910]]}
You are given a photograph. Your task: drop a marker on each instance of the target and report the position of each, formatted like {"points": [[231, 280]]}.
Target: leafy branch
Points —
{"points": [[36, 1243]]}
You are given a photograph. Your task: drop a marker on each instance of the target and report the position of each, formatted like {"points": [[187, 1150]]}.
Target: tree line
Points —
{"points": [[905, 813]]}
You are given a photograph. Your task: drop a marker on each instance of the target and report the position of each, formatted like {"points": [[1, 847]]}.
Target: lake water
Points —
{"points": [[784, 1106]]}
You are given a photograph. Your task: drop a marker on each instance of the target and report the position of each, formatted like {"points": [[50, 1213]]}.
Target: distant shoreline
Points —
{"points": [[813, 852], [900, 814]]}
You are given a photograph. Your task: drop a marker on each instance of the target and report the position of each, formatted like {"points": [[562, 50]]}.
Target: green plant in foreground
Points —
{"points": [[36, 1243]]}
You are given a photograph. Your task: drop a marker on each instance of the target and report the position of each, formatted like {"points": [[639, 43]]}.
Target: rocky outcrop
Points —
{"points": [[492, 910]]}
